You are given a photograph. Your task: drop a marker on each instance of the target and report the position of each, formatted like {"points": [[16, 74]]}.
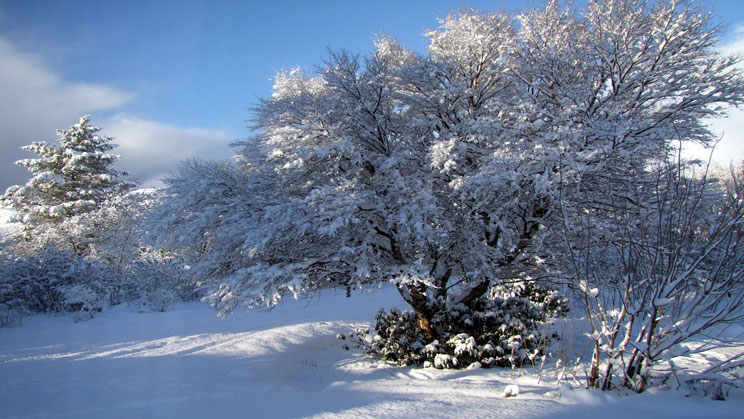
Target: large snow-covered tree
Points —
{"points": [[447, 173], [70, 178]]}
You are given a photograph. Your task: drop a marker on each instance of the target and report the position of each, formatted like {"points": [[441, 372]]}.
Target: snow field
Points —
{"points": [[186, 363]]}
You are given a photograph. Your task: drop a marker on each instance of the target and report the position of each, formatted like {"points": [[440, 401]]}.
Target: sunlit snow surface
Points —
{"points": [[186, 363]]}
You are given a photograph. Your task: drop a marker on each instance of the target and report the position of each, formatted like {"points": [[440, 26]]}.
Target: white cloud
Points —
{"points": [[34, 102], [150, 150], [730, 129]]}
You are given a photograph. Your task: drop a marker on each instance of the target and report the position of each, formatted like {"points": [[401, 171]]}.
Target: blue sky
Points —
{"points": [[174, 79]]}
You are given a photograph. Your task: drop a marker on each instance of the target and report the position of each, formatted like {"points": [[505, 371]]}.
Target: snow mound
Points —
{"points": [[512, 390]]}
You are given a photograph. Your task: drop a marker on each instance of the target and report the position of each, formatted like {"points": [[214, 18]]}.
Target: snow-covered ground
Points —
{"points": [[186, 363]]}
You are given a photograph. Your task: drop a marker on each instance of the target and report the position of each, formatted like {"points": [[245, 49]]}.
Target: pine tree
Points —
{"points": [[71, 178]]}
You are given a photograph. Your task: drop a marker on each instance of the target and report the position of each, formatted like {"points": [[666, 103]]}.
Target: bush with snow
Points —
{"points": [[512, 390], [152, 284], [663, 270], [108, 238], [53, 281], [58, 281], [504, 329]]}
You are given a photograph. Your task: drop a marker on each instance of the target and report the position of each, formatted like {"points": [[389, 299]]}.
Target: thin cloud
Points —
{"points": [[736, 44]]}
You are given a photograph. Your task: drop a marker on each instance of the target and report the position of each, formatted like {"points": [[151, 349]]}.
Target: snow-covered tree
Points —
{"points": [[71, 178], [111, 233], [447, 173], [208, 210]]}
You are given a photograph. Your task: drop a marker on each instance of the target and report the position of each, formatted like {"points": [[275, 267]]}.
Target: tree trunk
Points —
{"points": [[415, 296]]}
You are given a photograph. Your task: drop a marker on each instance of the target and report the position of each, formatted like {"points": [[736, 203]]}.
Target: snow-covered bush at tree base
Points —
{"points": [[71, 178], [506, 328]]}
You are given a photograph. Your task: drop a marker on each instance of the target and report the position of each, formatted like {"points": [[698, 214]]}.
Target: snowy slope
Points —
{"points": [[186, 363]]}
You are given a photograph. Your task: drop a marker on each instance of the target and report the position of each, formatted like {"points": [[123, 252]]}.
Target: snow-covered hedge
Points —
{"points": [[52, 281], [505, 329]]}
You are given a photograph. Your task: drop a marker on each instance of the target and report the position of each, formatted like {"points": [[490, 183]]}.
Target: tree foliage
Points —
{"points": [[442, 171]]}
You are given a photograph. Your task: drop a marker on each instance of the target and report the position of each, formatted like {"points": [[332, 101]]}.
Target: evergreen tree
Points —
{"points": [[71, 178]]}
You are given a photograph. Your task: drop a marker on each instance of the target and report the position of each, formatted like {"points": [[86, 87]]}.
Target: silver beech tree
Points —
{"points": [[448, 172]]}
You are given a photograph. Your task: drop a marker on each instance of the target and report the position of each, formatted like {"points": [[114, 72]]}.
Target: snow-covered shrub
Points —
{"points": [[713, 387], [716, 381], [512, 390], [9, 316], [504, 329], [54, 281], [152, 284], [110, 238], [657, 270], [112, 233]]}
